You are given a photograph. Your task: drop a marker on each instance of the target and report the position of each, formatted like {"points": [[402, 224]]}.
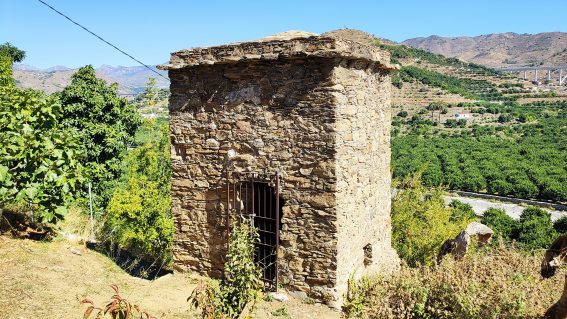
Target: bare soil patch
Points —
{"points": [[293, 309]]}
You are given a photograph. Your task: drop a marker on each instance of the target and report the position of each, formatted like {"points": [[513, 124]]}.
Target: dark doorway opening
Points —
{"points": [[257, 199]]}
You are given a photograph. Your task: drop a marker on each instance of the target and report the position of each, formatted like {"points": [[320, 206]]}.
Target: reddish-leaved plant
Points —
{"points": [[117, 308]]}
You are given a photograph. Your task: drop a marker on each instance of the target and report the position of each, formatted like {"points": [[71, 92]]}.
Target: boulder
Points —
{"points": [[460, 244]]}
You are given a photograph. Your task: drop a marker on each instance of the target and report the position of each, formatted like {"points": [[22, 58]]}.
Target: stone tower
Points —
{"points": [[306, 114]]}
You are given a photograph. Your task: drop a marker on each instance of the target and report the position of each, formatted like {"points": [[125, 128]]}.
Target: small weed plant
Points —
{"points": [[240, 285], [356, 296], [280, 312], [117, 308]]}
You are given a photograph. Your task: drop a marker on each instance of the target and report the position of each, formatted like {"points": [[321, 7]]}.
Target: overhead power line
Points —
{"points": [[101, 39]]}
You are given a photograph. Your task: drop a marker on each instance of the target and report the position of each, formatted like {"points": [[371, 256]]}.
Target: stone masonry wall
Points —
{"points": [[276, 116], [363, 172], [316, 110]]}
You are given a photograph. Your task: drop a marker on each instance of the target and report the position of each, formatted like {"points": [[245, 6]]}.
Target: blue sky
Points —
{"points": [[150, 30]]}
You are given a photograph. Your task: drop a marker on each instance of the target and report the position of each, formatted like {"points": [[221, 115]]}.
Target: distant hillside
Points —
{"points": [[131, 80], [427, 77], [500, 49]]}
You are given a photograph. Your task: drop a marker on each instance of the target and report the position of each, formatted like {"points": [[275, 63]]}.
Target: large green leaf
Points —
{"points": [[3, 174]]}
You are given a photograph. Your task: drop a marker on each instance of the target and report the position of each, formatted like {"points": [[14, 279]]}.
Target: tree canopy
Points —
{"points": [[107, 124], [138, 216], [15, 54], [39, 158], [525, 160]]}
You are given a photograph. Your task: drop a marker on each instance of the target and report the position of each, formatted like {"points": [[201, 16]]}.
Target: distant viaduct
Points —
{"points": [[557, 69]]}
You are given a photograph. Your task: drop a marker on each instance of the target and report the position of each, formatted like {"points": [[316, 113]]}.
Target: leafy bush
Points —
{"points": [[524, 118], [535, 229], [280, 312], [494, 283], [421, 222], [461, 211], [560, 225], [39, 157], [241, 282], [454, 123], [503, 225], [397, 81], [138, 217], [505, 118]]}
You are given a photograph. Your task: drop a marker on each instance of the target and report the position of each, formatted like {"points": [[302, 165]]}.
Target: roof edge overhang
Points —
{"points": [[276, 48]]}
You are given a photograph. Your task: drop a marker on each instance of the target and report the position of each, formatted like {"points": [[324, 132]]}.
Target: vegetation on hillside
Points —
{"points": [[526, 160], [468, 88], [494, 282], [414, 71], [151, 95], [398, 52], [521, 153]]}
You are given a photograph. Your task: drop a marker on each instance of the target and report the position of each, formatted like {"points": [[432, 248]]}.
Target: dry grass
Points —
{"points": [[76, 225], [48, 280], [492, 283]]}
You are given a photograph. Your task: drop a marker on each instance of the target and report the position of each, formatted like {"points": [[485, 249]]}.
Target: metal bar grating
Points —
{"points": [[257, 198]]}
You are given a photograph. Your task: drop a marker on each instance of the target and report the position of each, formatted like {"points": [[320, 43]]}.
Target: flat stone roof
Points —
{"points": [[286, 45]]}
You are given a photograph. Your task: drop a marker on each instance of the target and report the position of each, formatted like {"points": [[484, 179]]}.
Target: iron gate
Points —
{"points": [[256, 197]]}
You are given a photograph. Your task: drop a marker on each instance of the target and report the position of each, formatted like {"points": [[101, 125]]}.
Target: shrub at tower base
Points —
{"points": [[240, 284]]}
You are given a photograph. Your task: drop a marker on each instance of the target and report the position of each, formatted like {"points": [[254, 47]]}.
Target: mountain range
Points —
{"points": [[499, 49], [494, 50], [131, 80]]}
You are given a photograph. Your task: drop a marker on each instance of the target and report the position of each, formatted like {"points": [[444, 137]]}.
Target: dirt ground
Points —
{"points": [[49, 279], [293, 309]]}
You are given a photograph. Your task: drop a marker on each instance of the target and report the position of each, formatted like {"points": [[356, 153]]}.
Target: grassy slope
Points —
{"points": [[47, 280]]}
